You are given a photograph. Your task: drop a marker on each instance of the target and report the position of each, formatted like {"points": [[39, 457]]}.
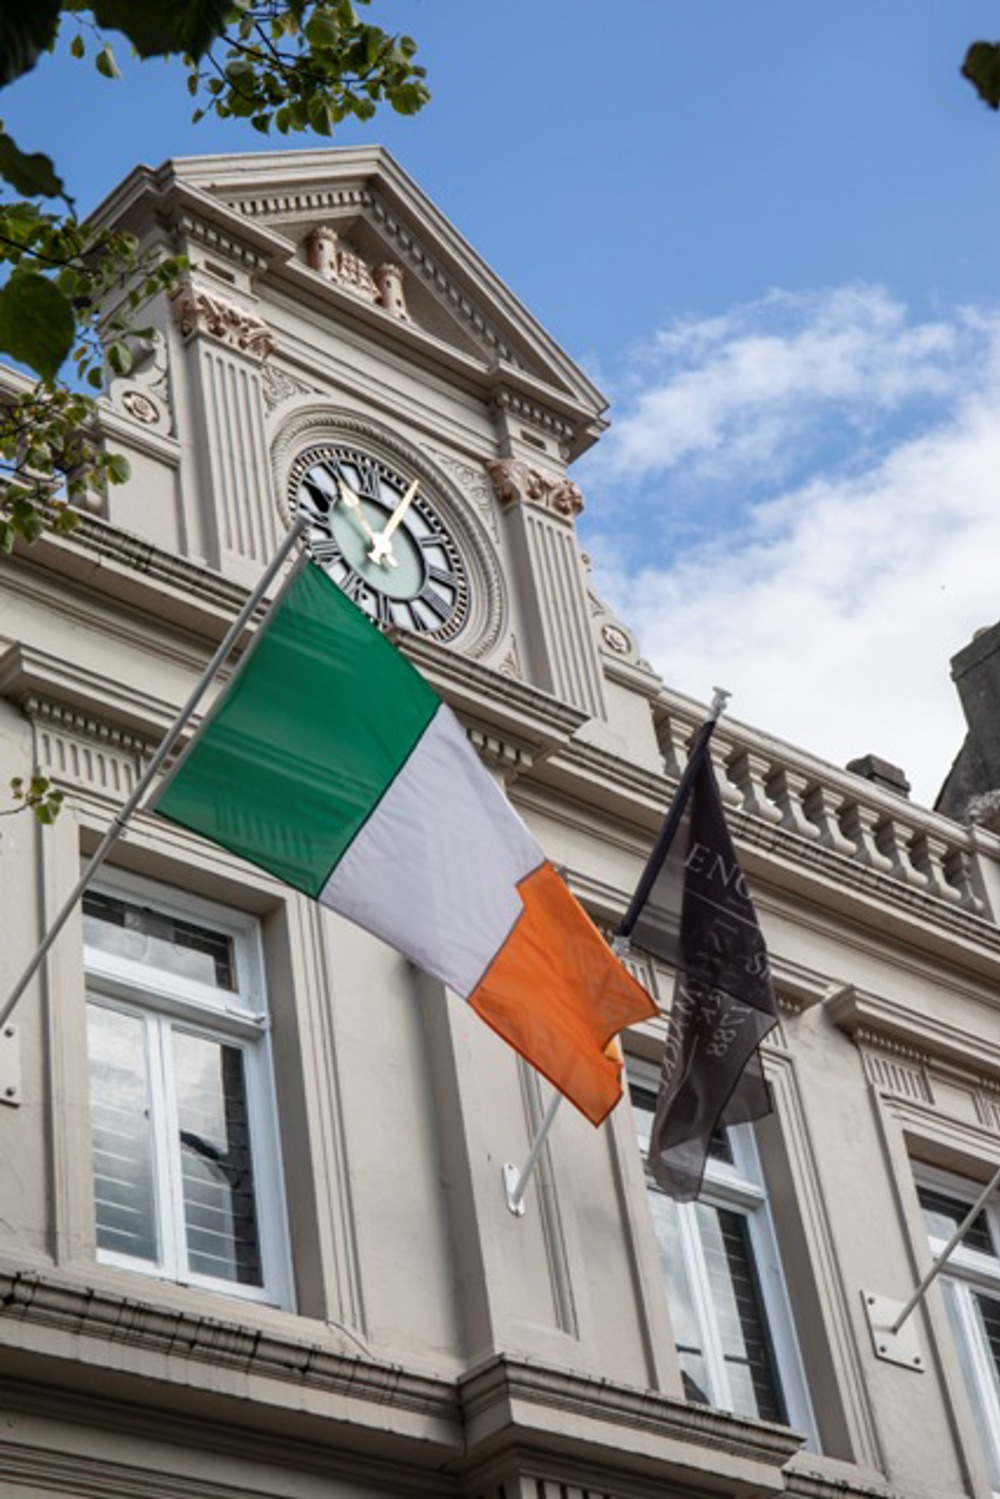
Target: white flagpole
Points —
{"points": [[939, 1264], [515, 1181], [122, 818]]}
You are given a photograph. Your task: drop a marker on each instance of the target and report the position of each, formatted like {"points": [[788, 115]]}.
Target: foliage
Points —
{"points": [[37, 795], [982, 68], [71, 296]]}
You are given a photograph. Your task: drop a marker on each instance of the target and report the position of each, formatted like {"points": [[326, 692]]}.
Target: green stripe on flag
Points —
{"points": [[301, 746]]}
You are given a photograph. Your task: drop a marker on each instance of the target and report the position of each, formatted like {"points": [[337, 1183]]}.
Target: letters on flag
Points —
{"points": [[698, 916], [331, 763]]}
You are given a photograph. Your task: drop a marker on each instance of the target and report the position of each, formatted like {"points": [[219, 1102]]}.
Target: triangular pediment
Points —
{"points": [[344, 215]]}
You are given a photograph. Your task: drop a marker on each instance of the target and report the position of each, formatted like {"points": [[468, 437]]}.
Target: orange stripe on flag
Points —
{"points": [[559, 996]]}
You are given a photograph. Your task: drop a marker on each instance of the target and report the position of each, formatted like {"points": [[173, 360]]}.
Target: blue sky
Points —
{"points": [[769, 232]]}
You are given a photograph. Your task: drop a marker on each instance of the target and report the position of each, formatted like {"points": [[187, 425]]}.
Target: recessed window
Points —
{"points": [[184, 1144], [971, 1288], [732, 1325]]}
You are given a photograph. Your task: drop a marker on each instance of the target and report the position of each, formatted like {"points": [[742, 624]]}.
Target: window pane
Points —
{"points": [[690, 1353], [163, 942], [125, 1201], [739, 1314], [985, 1313], [943, 1214], [216, 1168]]}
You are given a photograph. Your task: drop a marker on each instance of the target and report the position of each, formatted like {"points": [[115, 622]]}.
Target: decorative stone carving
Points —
{"points": [[142, 407], [382, 287], [516, 482], [199, 311], [278, 386], [473, 483], [144, 393], [389, 280], [615, 638]]}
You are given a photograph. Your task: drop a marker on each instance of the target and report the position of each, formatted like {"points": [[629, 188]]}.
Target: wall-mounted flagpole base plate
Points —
{"points": [[10, 1065], [899, 1347], [511, 1182]]}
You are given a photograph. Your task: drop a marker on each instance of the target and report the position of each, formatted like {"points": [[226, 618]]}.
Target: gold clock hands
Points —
{"points": [[352, 503], [382, 543]]}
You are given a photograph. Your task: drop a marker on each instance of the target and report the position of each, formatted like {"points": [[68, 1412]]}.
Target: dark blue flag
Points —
{"points": [[693, 910]]}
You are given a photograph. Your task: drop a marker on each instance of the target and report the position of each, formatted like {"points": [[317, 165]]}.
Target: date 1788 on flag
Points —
{"points": [[693, 910]]}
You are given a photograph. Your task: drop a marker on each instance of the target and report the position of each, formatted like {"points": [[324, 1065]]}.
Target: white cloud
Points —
{"points": [[829, 605], [748, 387]]}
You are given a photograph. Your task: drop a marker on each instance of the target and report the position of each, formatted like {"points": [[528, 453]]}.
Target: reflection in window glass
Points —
{"points": [[687, 1330], [164, 942], [216, 1165], [971, 1287], [187, 1181], [124, 1197], [732, 1277], [714, 1254]]}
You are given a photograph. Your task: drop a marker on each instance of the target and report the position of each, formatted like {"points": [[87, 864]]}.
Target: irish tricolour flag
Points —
{"points": [[331, 763]]}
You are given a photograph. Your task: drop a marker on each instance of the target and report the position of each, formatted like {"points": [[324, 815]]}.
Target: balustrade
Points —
{"points": [[832, 808]]}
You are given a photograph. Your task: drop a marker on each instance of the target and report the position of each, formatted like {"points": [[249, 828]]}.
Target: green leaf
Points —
{"points": [[161, 27], [33, 175], [77, 47], [27, 27], [118, 468], [105, 63], [982, 68], [322, 30], [119, 358], [37, 326]]}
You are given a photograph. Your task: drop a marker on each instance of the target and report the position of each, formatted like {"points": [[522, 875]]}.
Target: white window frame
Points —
{"points": [[235, 1018], [738, 1186], [969, 1270]]}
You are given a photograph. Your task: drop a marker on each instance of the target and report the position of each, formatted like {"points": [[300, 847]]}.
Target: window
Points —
{"points": [[971, 1289], [735, 1341], [184, 1145]]}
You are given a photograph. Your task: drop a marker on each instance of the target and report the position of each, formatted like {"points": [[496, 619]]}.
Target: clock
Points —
{"points": [[380, 536]]}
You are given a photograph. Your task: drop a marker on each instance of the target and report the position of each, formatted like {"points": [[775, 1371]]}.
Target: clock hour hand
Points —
{"points": [[381, 550], [352, 503]]}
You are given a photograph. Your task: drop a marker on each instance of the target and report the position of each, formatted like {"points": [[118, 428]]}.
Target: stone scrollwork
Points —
{"points": [[516, 482], [279, 385], [616, 639], [143, 394], [199, 311]]}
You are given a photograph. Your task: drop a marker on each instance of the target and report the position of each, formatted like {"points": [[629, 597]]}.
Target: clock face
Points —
{"points": [[382, 541]]}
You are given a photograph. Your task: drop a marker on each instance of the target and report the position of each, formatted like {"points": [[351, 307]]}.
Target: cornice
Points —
{"points": [[535, 717], [511, 1399], [914, 1034], [314, 1404]]}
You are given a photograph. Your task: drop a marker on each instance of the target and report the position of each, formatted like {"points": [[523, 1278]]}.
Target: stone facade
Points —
{"points": [[407, 1334]]}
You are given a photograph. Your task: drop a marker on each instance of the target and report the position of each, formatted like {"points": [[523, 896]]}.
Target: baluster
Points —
{"points": [[958, 873], [893, 840], [719, 752], [929, 854], [749, 772], [787, 789], [859, 823], [674, 736], [821, 807]]}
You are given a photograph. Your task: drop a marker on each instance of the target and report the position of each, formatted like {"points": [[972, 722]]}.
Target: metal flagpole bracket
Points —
{"points": [[892, 1340], [720, 697], [512, 1186], [10, 1065]]}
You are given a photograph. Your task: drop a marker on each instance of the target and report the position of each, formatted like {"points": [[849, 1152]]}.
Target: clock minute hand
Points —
{"points": [[351, 502], [382, 543]]}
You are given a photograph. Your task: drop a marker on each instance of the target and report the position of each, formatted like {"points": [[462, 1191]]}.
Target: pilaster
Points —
{"points": [[228, 347], [540, 511]]}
